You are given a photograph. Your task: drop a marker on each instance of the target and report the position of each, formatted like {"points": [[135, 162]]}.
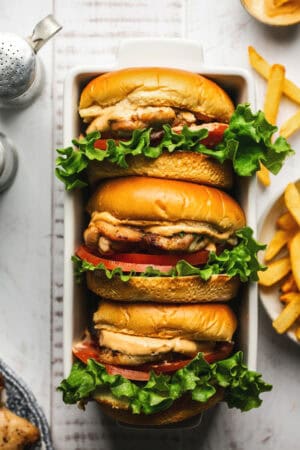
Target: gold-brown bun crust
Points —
{"points": [[157, 86], [204, 322], [186, 166], [182, 409], [144, 198], [190, 289]]}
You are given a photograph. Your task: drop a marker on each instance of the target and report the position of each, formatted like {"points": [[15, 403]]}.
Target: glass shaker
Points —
{"points": [[20, 69]]}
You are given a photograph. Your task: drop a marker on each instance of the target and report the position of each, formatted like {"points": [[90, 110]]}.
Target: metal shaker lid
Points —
{"points": [[17, 65]]}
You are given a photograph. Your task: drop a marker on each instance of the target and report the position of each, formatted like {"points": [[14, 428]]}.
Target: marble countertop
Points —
{"points": [[31, 225]]}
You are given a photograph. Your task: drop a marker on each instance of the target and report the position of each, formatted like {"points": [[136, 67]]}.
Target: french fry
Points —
{"points": [[259, 63], [287, 222], [292, 201], [289, 246], [290, 126], [275, 272], [289, 297], [295, 258], [290, 89], [289, 285], [287, 316], [274, 92], [263, 175], [288, 233], [279, 240], [271, 106]]}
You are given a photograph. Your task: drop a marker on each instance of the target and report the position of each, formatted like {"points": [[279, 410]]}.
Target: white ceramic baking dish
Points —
{"points": [[144, 52]]}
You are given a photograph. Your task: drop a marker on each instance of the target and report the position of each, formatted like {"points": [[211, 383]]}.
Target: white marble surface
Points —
{"points": [[31, 224], [25, 225]]}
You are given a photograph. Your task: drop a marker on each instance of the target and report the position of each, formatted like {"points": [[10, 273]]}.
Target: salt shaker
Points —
{"points": [[20, 69]]}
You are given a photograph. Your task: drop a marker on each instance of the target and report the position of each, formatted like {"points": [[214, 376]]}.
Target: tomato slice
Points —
{"points": [[222, 350], [138, 262], [85, 350], [83, 253], [166, 366], [199, 257], [88, 349], [130, 374], [215, 134], [102, 143]]}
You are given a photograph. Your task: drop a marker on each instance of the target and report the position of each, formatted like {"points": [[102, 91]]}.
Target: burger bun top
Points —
{"points": [[160, 87]]}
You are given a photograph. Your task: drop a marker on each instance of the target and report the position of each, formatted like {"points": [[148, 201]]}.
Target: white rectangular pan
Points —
{"points": [[181, 54]]}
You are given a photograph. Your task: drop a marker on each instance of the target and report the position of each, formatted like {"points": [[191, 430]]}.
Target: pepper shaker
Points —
{"points": [[20, 69]]}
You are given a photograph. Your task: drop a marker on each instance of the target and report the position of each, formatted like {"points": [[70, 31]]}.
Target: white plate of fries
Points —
{"points": [[279, 285]]}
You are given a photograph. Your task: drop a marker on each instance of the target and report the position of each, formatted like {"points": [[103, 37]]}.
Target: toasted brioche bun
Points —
{"points": [[182, 409], [206, 322], [186, 166], [156, 86], [149, 199], [189, 289]]}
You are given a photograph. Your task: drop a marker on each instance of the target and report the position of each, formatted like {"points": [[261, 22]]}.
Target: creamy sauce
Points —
{"points": [[281, 7], [137, 345], [275, 12]]}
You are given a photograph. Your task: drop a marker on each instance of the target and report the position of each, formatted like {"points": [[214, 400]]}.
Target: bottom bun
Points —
{"points": [[182, 409], [187, 289], [187, 166]]}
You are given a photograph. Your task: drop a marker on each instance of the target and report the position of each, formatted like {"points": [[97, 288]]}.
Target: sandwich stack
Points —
{"points": [[165, 247]]}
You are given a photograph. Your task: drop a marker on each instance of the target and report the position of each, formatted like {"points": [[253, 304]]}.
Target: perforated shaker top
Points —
{"points": [[17, 65]]}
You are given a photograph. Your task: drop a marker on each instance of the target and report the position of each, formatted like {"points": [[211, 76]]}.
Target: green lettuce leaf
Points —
{"points": [[247, 142], [240, 261], [242, 387]]}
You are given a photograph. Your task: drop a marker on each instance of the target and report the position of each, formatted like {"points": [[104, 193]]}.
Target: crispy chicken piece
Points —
{"points": [[174, 243], [108, 238], [16, 432], [108, 247], [125, 116], [118, 232]]}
